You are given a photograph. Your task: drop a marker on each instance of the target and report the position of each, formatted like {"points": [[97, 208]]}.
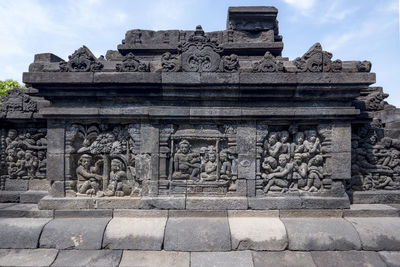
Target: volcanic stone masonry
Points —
{"points": [[182, 119]]}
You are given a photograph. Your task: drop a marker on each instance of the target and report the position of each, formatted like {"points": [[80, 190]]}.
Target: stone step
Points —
{"points": [[10, 196], [24, 211], [32, 196]]}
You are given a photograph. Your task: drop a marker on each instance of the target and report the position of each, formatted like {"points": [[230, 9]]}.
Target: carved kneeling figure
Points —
{"points": [[116, 186], [88, 179]]}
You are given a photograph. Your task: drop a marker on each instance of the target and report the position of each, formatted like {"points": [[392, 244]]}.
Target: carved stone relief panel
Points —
{"points": [[292, 159], [23, 157], [202, 160], [375, 159], [103, 160]]}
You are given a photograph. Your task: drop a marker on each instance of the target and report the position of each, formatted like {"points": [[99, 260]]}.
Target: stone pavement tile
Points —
{"points": [[20, 232], [347, 258], [378, 233], [155, 259], [75, 233], [27, 257], [87, 258], [282, 258], [197, 231], [255, 230], [391, 258], [321, 234], [221, 259], [142, 230], [370, 210]]}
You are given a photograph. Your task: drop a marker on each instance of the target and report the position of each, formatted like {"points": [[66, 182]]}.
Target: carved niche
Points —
{"points": [[202, 161], [103, 160], [23, 154], [375, 159], [292, 159], [199, 54]]}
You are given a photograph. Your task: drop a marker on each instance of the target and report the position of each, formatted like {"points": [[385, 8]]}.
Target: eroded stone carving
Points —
{"points": [[268, 64], [17, 102], [199, 53], [106, 159], [292, 161], [24, 152], [131, 64], [82, 60], [317, 60]]}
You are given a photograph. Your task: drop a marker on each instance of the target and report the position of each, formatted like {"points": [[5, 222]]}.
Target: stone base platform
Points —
{"points": [[195, 203], [104, 237], [376, 197]]}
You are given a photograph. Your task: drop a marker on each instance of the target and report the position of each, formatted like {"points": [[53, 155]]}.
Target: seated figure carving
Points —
{"points": [[186, 163], [88, 179], [282, 175], [210, 168], [117, 185]]}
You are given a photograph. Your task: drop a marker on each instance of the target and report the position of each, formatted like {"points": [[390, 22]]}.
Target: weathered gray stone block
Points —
{"points": [[321, 234], [197, 231], [221, 259], [391, 258], [376, 197], [83, 213], [155, 258], [27, 257], [347, 258], [325, 202], [50, 203], [310, 213], [16, 184], [32, 196], [216, 203], [370, 210], [163, 202], [20, 232], [25, 210], [55, 166], [73, 233], [10, 196], [274, 203], [88, 258], [142, 230], [117, 203], [283, 258], [256, 230], [378, 233]]}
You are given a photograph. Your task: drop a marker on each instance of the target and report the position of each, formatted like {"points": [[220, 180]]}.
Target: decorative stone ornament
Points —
{"points": [[82, 60]]}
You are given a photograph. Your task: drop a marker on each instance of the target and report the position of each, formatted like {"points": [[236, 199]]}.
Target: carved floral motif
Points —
{"points": [[82, 60], [317, 60], [131, 64], [268, 64]]}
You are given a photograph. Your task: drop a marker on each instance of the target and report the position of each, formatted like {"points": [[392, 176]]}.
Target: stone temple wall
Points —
{"points": [[196, 120]]}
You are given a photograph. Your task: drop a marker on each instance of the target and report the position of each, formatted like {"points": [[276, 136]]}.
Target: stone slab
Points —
{"points": [[25, 210], [197, 231], [310, 213], [378, 233], [391, 258], [256, 232], [84, 213], [27, 257], [321, 234], [216, 203], [21, 232], [347, 258], [6, 205], [162, 202], [376, 197], [74, 233], [52, 203], [32, 196], [274, 203], [117, 203], [282, 258], [16, 184], [10, 196], [155, 258], [221, 259], [325, 202], [371, 210], [136, 232], [95, 258]]}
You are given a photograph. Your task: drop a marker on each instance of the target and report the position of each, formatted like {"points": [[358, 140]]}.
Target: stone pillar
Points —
{"points": [[149, 149], [55, 157], [246, 147]]}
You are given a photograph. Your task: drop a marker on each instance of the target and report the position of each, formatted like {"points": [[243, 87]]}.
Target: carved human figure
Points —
{"points": [[116, 186], [88, 179], [298, 146], [210, 169], [312, 144], [31, 163], [284, 138], [11, 136], [12, 163], [300, 170], [272, 146], [21, 164], [282, 176], [315, 174], [42, 162], [186, 163], [226, 166]]}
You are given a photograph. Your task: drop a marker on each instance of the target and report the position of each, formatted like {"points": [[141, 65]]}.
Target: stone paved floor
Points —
{"points": [[365, 234]]}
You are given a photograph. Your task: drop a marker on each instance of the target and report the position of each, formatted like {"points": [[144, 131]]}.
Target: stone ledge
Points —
{"points": [[376, 197]]}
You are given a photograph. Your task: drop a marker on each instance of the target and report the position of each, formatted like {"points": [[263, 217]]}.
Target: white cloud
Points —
{"points": [[302, 5], [165, 15]]}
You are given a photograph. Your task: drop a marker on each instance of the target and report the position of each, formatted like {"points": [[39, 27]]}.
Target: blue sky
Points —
{"points": [[350, 29]]}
